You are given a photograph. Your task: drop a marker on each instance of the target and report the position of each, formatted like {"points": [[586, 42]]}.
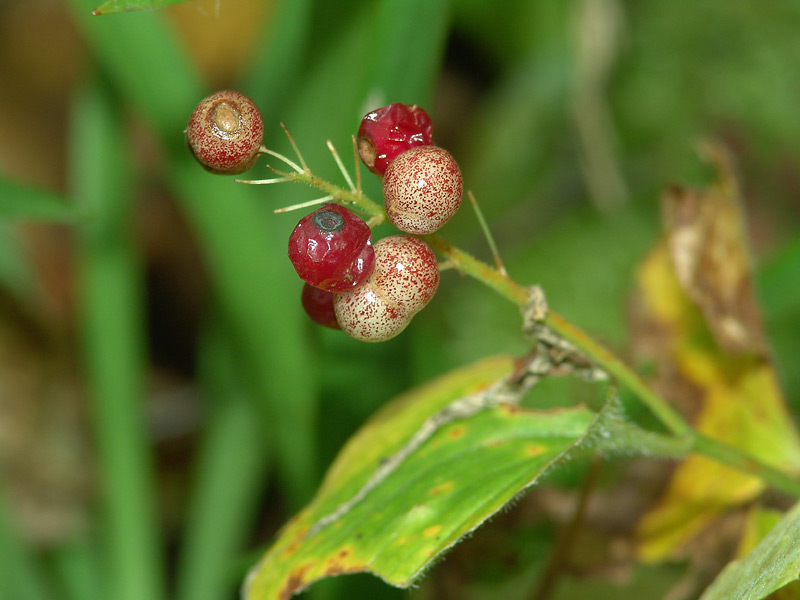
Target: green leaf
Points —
{"points": [[117, 6], [444, 488], [19, 201], [774, 563], [391, 77], [111, 294]]}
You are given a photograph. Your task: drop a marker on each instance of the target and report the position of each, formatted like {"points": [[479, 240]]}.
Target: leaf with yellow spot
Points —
{"points": [[450, 484], [117, 6], [696, 294]]}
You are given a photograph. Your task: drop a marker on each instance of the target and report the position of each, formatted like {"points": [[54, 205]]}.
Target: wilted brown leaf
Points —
{"points": [[706, 237], [696, 292]]}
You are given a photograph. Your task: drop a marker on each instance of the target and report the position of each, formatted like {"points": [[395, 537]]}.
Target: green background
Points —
{"points": [[165, 290]]}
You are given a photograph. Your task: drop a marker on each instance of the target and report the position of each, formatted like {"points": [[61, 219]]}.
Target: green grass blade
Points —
{"points": [[774, 563], [113, 348], [277, 66], [258, 293], [117, 6], [19, 201], [231, 473], [15, 272], [411, 43], [79, 570], [246, 258], [147, 66], [21, 577]]}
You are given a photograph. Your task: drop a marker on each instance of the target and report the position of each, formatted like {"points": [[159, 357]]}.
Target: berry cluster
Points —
{"points": [[371, 292]]}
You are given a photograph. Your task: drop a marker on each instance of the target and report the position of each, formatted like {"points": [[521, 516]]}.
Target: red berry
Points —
{"points": [[404, 281], [225, 132], [318, 304], [331, 249], [422, 189], [391, 130]]}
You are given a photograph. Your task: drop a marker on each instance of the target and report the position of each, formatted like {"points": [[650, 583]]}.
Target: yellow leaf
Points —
{"points": [[695, 289]]}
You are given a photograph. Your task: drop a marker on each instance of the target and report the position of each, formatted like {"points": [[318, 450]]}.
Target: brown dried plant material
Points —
{"points": [[705, 335], [707, 244], [44, 464]]}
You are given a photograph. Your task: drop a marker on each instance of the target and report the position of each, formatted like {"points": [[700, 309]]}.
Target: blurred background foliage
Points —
{"points": [[164, 403]]}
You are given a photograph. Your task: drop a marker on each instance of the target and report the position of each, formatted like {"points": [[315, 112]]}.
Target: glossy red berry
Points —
{"points": [[225, 132], [405, 279], [391, 130], [331, 249], [422, 189], [318, 305]]}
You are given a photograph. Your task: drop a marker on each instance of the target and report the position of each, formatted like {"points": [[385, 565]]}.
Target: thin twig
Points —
{"points": [[565, 541], [487, 232], [295, 148], [263, 181], [357, 163], [341, 166], [286, 209], [295, 167]]}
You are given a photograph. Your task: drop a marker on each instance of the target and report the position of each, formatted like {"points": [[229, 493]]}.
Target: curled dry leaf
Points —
{"points": [[707, 244], [706, 337]]}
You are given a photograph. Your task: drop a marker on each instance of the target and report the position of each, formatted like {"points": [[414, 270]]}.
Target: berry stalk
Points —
{"points": [[341, 195], [507, 287]]}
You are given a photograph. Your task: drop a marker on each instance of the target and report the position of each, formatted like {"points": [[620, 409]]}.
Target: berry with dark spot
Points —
{"points": [[331, 249]]}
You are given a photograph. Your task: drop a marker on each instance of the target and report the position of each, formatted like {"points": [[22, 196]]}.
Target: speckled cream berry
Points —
{"points": [[225, 133], [422, 189], [406, 272], [405, 279], [364, 314]]}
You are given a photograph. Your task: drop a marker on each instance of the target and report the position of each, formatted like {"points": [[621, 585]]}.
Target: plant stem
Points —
{"points": [[669, 417], [341, 195], [614, 366], [504, 285], [738, 459]]}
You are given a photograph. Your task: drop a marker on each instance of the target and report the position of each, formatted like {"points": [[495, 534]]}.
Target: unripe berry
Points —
{"points": [[406, 272], [225, 133], [404, 281], [331, 249], [318, 305], [422, 189], [387, 132]]}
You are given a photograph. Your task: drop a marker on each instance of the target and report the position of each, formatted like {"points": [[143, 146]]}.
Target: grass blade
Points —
{"points": [[231, 472], [113, 349], [20, 577], [18, 201]]}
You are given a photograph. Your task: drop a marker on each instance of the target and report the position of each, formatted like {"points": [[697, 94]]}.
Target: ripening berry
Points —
{"points": [[405, 279], [225, 133], [422, 189], [318, 305], [331, 249], [391, 130]]}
